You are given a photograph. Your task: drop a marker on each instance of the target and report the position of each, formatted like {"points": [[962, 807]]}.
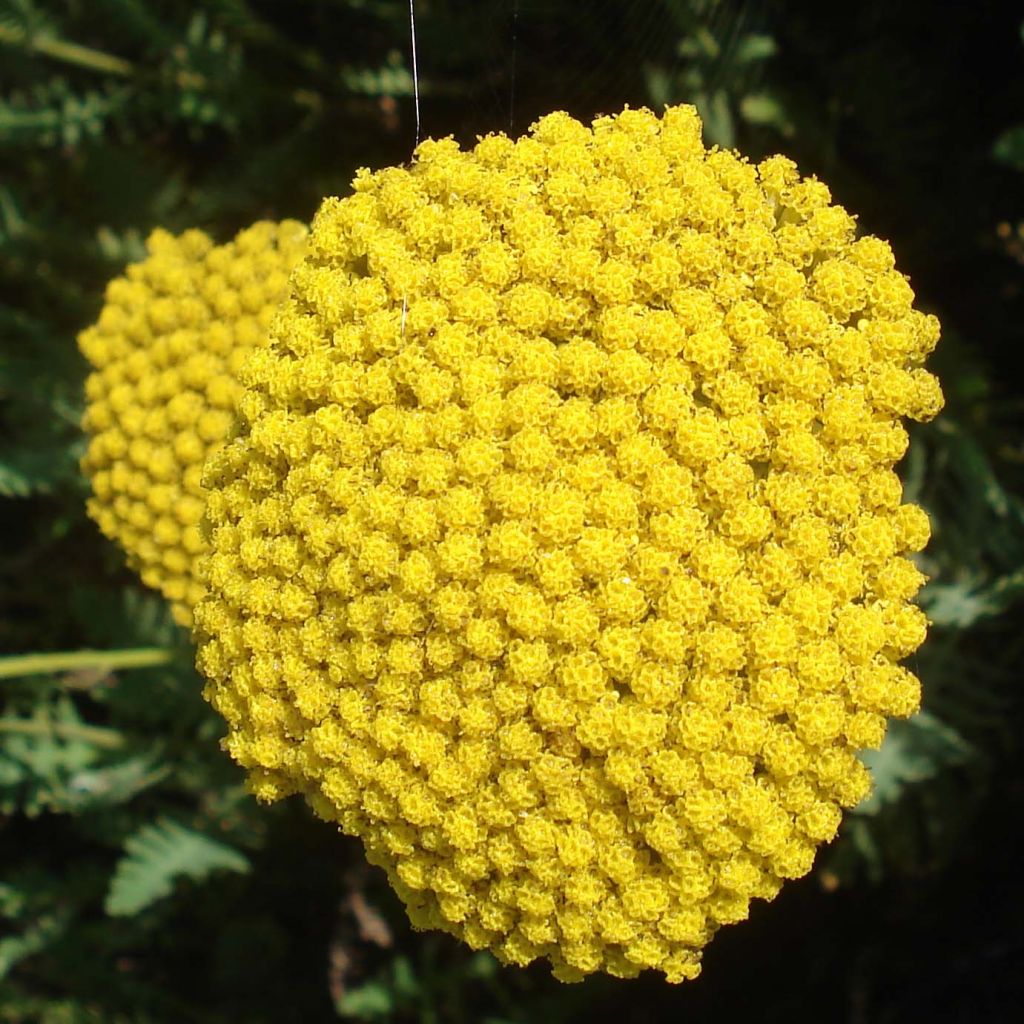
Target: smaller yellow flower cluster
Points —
{"points": [[166, 354]]}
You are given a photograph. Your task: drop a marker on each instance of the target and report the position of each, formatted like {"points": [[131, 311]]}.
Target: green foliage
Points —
{"points": [[720, 68], [402, 987], [436, 987], [53, 761], [50, 114], [914, 751], [1009, 147], [35, 938], [139, 882], [159, 853]]}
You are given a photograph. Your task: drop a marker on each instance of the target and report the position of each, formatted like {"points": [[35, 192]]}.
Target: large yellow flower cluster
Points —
{"points": [[560, 556], [166, 353]]}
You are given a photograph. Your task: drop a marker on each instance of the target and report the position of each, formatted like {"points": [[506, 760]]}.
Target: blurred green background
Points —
{"points": [[138, 883]]}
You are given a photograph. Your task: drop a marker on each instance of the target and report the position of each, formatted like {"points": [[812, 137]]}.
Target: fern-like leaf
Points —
{"points": [[159, 853], [52, 114], [914, 752], [25, 473]]}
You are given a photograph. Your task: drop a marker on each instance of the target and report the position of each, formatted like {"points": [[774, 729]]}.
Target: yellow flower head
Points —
{"points": [[560, 557], [165, 353]]}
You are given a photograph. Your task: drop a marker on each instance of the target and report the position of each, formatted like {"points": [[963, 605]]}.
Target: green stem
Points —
{"points": [[69, 53], [74, 661], [94, 734]]}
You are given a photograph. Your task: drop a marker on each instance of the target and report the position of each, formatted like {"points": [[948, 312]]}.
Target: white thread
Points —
{"points": [[415, 69], [416, 105], [512, 83]]}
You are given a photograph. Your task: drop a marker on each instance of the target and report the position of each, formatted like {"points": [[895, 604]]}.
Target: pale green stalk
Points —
{"points": [[69, 53], [75, 661]]}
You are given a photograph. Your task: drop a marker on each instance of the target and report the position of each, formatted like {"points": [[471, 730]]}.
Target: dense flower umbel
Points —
{"points": [[166, 352], [560, 557]]}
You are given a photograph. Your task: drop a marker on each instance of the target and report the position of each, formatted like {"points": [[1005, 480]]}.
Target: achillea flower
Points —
{"points": [[560, 556], [166, 352]]}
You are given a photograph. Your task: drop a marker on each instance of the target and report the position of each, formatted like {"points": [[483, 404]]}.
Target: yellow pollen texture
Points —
{"points": [[165, 354], [560, 555]]}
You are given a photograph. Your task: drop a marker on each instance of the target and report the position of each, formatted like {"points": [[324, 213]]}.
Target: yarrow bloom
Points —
{"points": [[560, 555], [166, 353]]}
